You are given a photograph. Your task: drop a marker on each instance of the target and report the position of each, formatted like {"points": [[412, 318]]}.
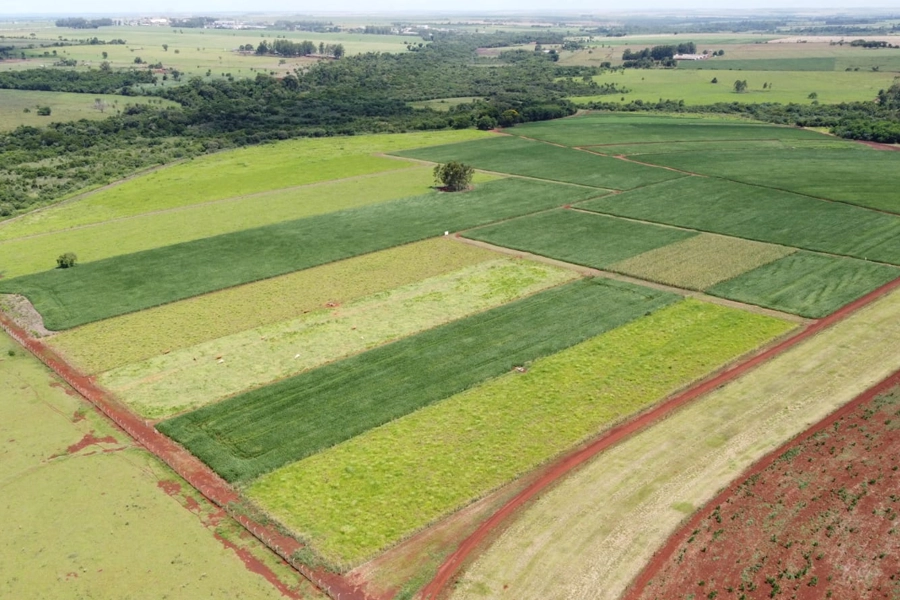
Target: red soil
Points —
{"points": [[879, 146], [466, 550], [817, 518], [90, 439]]}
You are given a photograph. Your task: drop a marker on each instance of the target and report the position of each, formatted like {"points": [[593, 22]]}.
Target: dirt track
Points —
{"points": [[448, 570]]}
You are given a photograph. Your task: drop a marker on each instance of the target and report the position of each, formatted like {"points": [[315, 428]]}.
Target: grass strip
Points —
{"points": [[507, 154], [135, 337], [579, 237], [203, 374], [107, 288], [365, 494], [765, 215], [251, 434], [809, 285]]}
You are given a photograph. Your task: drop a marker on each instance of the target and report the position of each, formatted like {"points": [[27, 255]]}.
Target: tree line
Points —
{"points": [[81, 23]]}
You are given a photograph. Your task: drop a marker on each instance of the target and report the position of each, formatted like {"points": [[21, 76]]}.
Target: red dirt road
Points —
{"points": [[451, 566], [185, 464]]}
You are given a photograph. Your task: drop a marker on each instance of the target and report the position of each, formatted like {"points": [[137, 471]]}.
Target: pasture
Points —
{"points": [[594, 531], [198, 375], [136, 337], [248, 435], [63, 107], [354, 499], [114, 286]]}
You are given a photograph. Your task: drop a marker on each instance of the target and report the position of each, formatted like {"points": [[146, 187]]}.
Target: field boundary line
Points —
{"points": [[191, 469], [662, 555], [558, 469]]}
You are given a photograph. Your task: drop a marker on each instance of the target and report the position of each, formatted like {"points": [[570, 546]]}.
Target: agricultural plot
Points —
{"points": [[354, 499], [63, 106], [700, 262], [824, 516], [37, 253], [636, 150], [810, 285], [107, 288], [508, 154], [135, 337], [766, 215], [233, 173], [91, 511], [248, 435], [578, 237], [202, 374], [601, 129], [860, 175], [590, 535]]}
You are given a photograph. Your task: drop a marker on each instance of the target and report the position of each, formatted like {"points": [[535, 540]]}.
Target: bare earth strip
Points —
{"points": [[589, 536]]}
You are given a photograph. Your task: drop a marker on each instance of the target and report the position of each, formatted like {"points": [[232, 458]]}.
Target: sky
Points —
{"points": [[165, 7]]}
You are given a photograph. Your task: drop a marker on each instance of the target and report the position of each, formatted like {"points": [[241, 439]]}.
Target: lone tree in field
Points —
{"points": [[66, 260], [454, 176], [740, 86]]}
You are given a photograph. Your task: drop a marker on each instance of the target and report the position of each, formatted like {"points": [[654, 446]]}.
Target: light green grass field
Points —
{"points": [[246, 436], [701, 261], [577, 237], [203, 374], [95, 523], [356, 498], [135, 337], [810, 285], [234, 173], [443, 104], [63, 107], [508, 154], [637, 149]]}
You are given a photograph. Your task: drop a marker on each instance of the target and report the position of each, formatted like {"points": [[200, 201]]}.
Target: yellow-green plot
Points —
{"points": [[96, 524], [695, 86], [367, 493], [202, 374], [701, 261], [134, 337], [153, 230], [593, 533], [234, 173], [63, 106]]}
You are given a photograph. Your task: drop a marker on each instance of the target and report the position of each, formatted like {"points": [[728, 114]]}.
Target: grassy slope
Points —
{"points": [[579, 237], [751, 212], [625, 503], [810, 285], [508, 154], [134, 337], [246, 436], [701, 261], [234, 173], [356, 498], [193, 377], [110, 287], [94, 524], [63, 106]]}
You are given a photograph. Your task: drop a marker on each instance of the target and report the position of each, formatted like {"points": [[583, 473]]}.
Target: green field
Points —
{"points": [[135, 337], [443, 104], [806, 284], [601, 129], [192, 377], [248, 435], [107, 288], [63, 107], [857, 175], [579, 237], [94, 522], [153, 230], [234, 173], [701, 261], [888, 61], [637, 150], [367, 493], [507, 154], [762, 214]]}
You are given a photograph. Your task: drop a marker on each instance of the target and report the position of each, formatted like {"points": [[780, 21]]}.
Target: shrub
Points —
{"points": [[64, 261], [43, 111], [454, 176]]}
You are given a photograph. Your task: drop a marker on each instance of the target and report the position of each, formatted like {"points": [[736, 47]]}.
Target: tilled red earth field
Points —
{"points": [[818, 520]]}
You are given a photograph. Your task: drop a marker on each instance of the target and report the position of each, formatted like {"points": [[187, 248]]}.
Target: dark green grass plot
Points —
{"points": [[755, 213], [506, 154], [577, 237], [815, 63], [248, 435], [809, 285], [106, 288]]}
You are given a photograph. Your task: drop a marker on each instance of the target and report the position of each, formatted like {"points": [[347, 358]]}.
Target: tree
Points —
{"points": [[740, 86], [105, 54], [813, 96], [64, 261], [43, 111], [338, 51], [715, 80], [454, 176], [100, 105], [165, 47], [486, 123]]}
